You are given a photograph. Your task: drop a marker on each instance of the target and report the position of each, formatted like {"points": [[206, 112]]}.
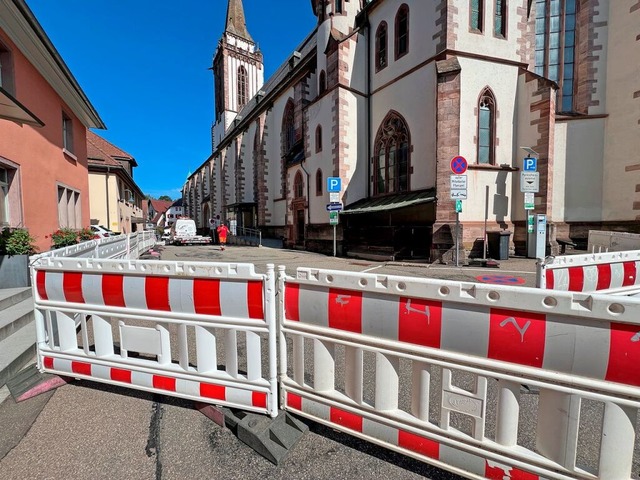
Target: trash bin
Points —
{"points": [[498, 243]]}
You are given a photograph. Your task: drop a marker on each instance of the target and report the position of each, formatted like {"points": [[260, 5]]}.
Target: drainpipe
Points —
{"points": [[368, 101], [106, 182]]}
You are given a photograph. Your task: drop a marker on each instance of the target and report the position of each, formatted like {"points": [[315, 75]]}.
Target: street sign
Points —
{"points": [[458, 165], [334, 184], [333, 218], [530, 164], [334, 197], [458, 182], [458, 206], [529, 201], [530, 182], [334, 207], [458, 195]]}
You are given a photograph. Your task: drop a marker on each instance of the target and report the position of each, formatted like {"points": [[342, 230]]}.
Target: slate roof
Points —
{"points": [[236, 22]]}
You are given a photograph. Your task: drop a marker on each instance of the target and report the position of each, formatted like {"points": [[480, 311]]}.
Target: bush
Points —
{"points": [[17, 241], [86, 234], [64, 237]]}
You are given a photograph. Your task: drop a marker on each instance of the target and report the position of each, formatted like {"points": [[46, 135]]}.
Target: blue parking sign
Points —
{"points": [[334, 184], [530, 164]]}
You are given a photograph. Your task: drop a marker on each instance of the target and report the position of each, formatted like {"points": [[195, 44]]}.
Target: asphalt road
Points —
{"points": [[89, 430]]}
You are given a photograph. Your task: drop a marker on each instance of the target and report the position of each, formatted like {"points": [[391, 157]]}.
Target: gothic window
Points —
{"points": [[391, 156], [298, 186], [319, 182], [288, 128], [555, 47], [318, 139], [500, 19], [402, 31], [323, 82], [477, 15], [381, 46], [243, 87], [486, 128]]}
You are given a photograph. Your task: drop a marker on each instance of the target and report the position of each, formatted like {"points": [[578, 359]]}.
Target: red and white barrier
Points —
{"points": [[612, 273], [158, 326], [571, 346]]}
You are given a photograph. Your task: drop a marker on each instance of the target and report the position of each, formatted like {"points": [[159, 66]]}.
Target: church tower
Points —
{"points": [[238, 71]]}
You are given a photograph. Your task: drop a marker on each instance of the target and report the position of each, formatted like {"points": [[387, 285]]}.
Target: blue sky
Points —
{"points": [[144, 66]]}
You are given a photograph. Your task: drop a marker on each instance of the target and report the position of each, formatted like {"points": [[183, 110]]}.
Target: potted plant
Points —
{"points": [[16, 244], [63, 237]]}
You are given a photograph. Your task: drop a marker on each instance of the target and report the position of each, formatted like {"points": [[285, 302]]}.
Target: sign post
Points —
{"points": [[458, 193], [529, 185], [334, 186]]}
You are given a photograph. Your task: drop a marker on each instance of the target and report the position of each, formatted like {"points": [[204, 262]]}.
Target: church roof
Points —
{"points": [[235, 20]]}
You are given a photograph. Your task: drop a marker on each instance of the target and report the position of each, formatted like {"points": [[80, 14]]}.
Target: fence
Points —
{"points": [[408, 364], [613, 273], [436, 370]]}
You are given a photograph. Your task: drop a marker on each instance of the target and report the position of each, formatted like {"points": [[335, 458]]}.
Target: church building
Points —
{"points": [[384, 94]]}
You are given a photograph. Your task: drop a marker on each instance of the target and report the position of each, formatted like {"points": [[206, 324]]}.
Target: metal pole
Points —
{"points": [[334, 240], [486, 217], [457, 239]]}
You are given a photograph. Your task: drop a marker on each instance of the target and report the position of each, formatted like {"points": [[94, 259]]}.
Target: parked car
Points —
{"points": [[101, 231]]}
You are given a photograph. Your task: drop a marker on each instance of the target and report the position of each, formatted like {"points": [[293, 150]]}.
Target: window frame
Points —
{"points": [[243, 87], [67, 133], [71, 210], [488, 97], [319, 138], [404, 8], [322, 82], [298, 186], [380, 48], [504, 19], [288, 128], [389, 140], [479, 28], [7, 77]]}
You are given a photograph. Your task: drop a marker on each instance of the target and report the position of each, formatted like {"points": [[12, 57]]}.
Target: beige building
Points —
{"points": [[384, 94], [115, 201]]}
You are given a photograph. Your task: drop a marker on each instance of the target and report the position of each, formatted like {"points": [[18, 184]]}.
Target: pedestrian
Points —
{"points": [[223, 231]]}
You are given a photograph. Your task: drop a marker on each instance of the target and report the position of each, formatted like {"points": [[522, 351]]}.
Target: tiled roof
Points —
{"points": [[106, 147], [161, 206]]}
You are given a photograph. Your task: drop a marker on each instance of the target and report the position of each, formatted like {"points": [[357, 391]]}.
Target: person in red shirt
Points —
{"points": [[222, 231]]}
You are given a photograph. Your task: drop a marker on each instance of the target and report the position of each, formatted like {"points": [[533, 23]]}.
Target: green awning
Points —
{"points": [[390, 202]]}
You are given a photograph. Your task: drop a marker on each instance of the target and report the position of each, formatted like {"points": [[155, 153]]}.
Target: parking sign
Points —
{"points": [[530, 164], [334, 184]]}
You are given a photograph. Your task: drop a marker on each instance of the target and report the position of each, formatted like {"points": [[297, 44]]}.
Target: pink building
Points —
{"points": [[44, 117]]}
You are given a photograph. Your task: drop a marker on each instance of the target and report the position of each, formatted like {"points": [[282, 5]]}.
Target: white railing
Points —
{"points": [[434, 369]]}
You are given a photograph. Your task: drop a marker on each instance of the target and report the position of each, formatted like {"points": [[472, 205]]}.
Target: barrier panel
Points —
{"points": [[604, 241], [161, 327], [419, 366], [611, 273]]}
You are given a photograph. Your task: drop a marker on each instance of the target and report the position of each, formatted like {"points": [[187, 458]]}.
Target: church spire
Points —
{"points": [[235, 20]]}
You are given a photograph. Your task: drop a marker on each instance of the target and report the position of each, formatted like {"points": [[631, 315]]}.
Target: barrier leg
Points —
{"points": [[324, 365], [508, 413], [387, 381], [353, 373], [421, 383], [618, 439], [557, 430]]}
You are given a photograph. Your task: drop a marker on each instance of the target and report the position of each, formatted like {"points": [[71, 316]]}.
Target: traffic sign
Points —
{"points": [[458, 195], [334, 197], [333, 218], [530, 182], [334, 207], [334, 184], [529, 201], [530, 164], [458, 165], [458, 206], [458, 182]]}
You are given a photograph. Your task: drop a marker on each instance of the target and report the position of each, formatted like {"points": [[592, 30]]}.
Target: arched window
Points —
{"points": [[243, 87], [476, 19], [402, 31], [322, 82], [486, 127], [298, 186], [288, 128], [319, 182], [391, 156], [381, 46], [318, 139]]}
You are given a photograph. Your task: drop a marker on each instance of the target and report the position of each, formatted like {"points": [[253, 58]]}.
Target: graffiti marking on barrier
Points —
{"points": [[426, 312], [636, 338], [521, 330], [343, 299]]}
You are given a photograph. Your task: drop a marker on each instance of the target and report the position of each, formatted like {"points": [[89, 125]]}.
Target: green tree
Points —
{"points": [[165, 197]]}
